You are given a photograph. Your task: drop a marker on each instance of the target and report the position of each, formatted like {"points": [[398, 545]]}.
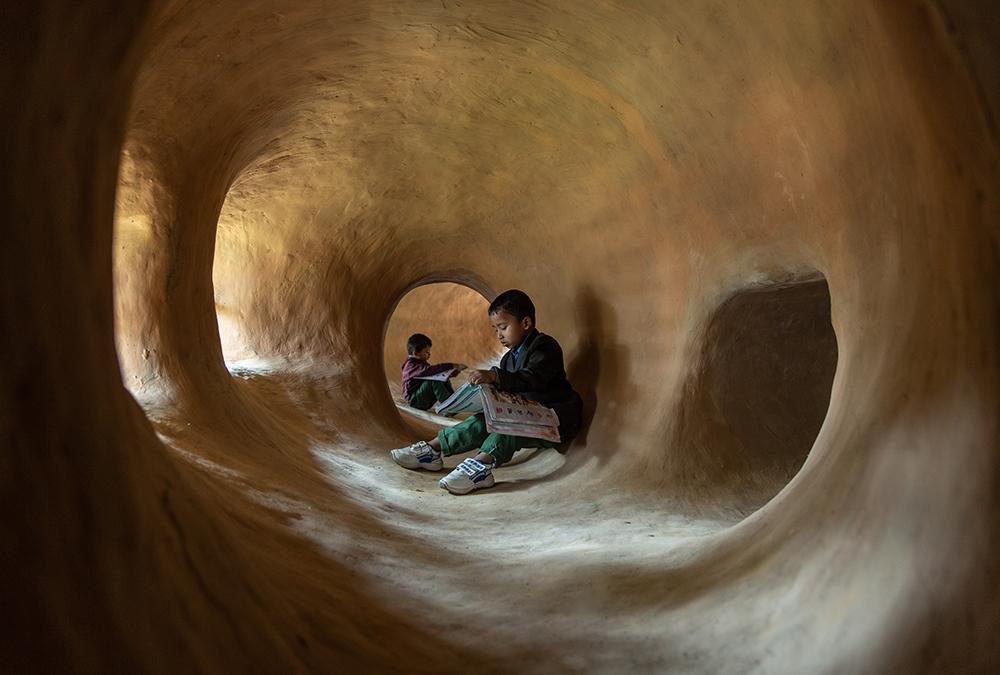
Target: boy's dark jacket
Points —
{"points": [[539, 375]]}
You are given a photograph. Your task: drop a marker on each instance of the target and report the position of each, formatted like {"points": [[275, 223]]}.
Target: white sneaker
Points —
{"points": [[468, 476], [420, 455]]}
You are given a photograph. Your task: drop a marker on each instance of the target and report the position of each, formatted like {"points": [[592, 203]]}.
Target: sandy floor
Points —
{"points": [[549, 553]]}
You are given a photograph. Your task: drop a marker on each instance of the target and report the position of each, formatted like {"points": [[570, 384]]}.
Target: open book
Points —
{"points": [[438, 377], [505, 413], [465, 399]]}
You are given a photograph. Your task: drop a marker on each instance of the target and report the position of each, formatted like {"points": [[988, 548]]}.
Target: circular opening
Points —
{"points": [[453, 317], [761, 389]]}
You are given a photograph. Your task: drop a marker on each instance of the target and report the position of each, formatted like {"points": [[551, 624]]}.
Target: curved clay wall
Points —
{"points": [[765, 236]]}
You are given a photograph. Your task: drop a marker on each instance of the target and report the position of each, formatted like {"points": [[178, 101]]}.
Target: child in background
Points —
{"points": [[533, 368], [422, 394]]}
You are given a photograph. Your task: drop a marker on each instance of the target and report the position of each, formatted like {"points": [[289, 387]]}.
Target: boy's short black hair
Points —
{"points": [[418, 342], [514, 302]]}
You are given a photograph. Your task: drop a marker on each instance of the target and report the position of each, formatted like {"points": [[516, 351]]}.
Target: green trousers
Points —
{"points": [[472, 434], [430, 392]]}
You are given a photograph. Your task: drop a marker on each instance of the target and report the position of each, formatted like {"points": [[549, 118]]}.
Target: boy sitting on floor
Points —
{"points": [[422, 394], [533, 368]]}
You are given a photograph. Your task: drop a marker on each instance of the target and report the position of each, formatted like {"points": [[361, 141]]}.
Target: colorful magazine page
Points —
{"points": [[507, 407], [465, 399], [525, 430], [491, 415], [507, 413]]}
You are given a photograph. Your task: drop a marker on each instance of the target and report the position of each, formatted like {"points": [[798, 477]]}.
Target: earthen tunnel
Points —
{"points": [[764, 233]]}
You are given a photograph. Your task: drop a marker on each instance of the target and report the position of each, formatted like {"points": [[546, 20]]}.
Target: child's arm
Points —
{"points": [[425, 369]]}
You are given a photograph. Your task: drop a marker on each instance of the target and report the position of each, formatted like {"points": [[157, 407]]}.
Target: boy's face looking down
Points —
{"points": [[509, 329], [424, 354]]}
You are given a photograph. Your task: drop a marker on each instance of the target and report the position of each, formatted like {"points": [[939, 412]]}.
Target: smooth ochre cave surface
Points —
{"points": [[765, 235]]}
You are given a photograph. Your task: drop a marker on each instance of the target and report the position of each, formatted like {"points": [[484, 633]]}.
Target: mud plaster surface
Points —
{"points": [[725, 214]]}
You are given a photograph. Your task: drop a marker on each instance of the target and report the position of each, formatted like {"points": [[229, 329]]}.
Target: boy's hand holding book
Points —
{"points": [[481, 377]]}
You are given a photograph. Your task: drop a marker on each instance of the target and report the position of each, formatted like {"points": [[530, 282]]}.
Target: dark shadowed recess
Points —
{"points": [[756, 401]]}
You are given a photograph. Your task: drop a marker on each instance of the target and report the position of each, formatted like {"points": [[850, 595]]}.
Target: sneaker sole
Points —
{"points": [[487, 483], [432, 466]]}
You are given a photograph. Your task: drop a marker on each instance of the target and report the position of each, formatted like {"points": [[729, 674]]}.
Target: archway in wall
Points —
{"points": [[234, 347], [759, 391], [238, 259], [453, 316]]}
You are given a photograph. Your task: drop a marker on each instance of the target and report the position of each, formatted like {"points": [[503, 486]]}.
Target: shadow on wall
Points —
{"points": [[599, 358], [756, 399]]}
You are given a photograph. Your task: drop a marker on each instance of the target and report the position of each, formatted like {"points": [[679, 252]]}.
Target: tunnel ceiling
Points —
{"points": [[337, 143]]}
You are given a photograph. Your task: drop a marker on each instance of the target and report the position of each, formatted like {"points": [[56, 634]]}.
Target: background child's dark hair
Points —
{"points": [[418, 342], [514, 302]]}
